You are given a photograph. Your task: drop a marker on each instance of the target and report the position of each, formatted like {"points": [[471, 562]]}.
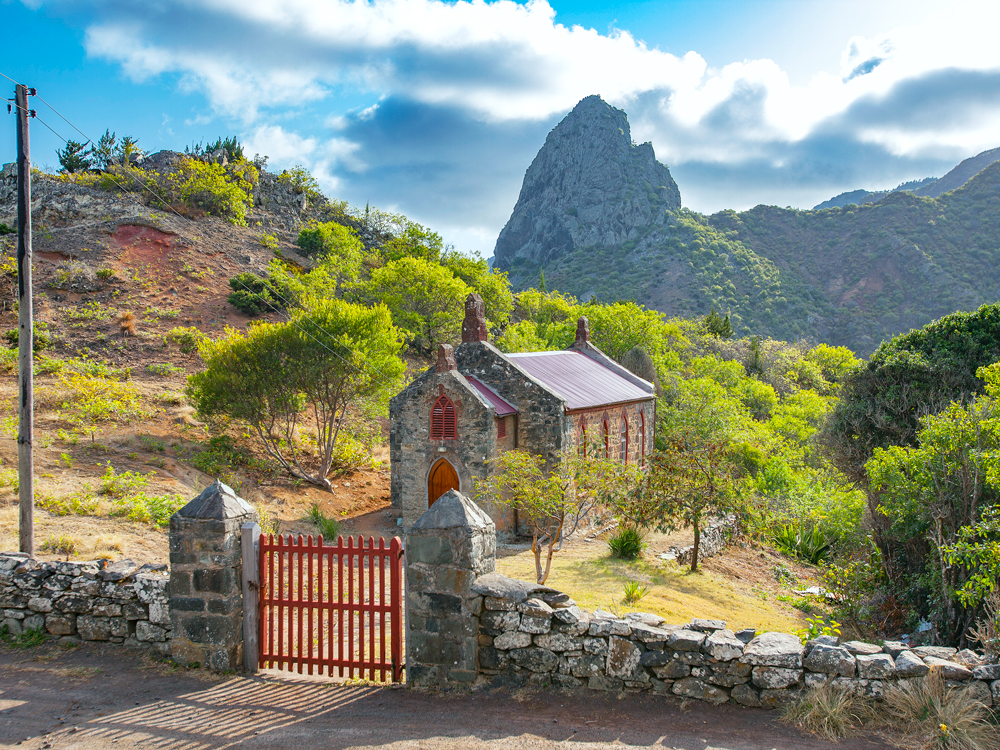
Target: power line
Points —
{"points": [[10, 79], [67, 121]]}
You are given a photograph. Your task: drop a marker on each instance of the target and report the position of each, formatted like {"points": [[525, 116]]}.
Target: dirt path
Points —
{"points": [[95, 697]]}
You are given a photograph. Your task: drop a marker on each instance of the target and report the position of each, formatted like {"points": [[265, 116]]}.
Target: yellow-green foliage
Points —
{"points": [[221, 191], [94, 398]]}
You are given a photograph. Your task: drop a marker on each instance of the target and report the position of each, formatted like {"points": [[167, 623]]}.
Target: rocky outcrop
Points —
{"points": [[589, 185]]}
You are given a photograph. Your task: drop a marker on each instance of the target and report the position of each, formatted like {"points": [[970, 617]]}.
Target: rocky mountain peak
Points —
{"points": [[589, 185]]}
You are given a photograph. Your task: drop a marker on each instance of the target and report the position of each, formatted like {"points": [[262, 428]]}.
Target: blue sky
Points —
{"points": [[436, 109]]}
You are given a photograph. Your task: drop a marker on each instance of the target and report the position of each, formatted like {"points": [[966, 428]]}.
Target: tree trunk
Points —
{"points": [[694, 550]]}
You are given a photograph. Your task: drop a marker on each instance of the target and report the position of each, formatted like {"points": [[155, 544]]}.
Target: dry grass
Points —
{"points": [[829, 712], [126, 324], [932, 716], [919, 714], [588, 573]]}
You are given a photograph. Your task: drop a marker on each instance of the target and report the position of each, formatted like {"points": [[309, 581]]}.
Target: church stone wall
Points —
{"points": [[413, 453], [542, 428], [595, 417]]}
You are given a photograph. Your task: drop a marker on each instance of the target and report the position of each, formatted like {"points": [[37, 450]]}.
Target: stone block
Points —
{"points": [[707, 626], [672, 670], [649, 633], [211, 630], [646, 619], [860, 648], [159, 612], [690, 687], [603, 682], [106, 608], [723, 645], [986, 672], [76, 604], [571, 615], [775, 678], [535, 659], [585, 666], [558, 642], [876, 666], [535, 608], [597, 646], [949, 669], [979, 691], [91, 628], [686, 640], [895, 648], [657, 658], [500, 620], [512, 639], [774, 650], [830, 660], [938, 652], [566, 681], [623, 659], [493, 659], [34, 622], [40, 604], [13, 626], [746, 696], [500, 605], [606, 626], [536, 625], [146, 632], [120, 627], [909, 664], [60, 624]]}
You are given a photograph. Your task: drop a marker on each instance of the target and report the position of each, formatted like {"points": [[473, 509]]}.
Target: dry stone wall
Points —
{"points": [[533, 635], [121, 602]]}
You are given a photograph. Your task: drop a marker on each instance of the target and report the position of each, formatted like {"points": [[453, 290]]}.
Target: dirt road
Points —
{"points": [[94, 697]]}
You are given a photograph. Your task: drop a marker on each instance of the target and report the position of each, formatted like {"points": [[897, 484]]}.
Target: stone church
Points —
{"points": [[477, 402]]}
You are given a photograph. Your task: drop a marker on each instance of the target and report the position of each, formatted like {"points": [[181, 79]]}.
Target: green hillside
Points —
{"points": [[849, 276]]}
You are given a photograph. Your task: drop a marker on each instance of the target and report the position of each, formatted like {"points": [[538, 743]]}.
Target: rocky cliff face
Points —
{"points": [[589, 185]]}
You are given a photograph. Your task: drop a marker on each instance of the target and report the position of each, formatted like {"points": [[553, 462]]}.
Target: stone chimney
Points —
{"points": [[474, 326], [582, 332], [446, 358]]}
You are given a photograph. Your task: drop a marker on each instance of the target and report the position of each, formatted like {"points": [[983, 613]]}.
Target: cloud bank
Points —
{"points": [[448, 102]]}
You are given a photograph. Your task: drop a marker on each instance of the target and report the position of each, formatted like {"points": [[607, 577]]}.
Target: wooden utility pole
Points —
{"points": [[25, 334]]}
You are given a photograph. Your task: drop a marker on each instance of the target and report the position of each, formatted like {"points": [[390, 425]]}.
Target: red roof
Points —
{"points": [[502, 407], [579, 380]]}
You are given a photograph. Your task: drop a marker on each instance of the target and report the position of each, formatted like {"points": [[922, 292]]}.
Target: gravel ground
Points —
{"points": [[102, 697]]}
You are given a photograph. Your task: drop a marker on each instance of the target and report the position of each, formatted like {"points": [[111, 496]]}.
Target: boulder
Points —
{"points": [[987, 672], [707, 626], [938, 652], [774, 650]]}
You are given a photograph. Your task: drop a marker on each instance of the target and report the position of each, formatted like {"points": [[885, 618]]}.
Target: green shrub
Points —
{"points": [[251, 294], [796, 541], [627, 543], [220, 191], [164, 369], [41, 340], [122, 485], [27, 639], [151, 509], [105, 274], [187, 338], [328, 527], [633, 591], [4, 229]]}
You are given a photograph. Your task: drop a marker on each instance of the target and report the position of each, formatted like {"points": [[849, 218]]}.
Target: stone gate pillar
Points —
{"points": [[206, 598], [451, 545]]}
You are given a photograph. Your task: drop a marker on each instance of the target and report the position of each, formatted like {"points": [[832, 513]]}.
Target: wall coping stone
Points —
{"points": [[217, 501], [451, 511]]}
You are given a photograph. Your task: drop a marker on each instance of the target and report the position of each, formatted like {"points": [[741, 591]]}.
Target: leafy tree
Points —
{"points": [[280, 377], [226, 192], [252, 295], [413, 241], [718, 326], [693, 481], [491, 285], [229, 144], [424, 297], [105, 152], [73, 158], [928, 493], [554, 501], [912, 375]]}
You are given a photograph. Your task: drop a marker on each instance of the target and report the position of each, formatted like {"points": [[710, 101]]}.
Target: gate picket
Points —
{"points": [[303, 626]]}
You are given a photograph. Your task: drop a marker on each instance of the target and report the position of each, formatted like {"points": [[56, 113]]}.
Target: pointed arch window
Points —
{"points": [[623, 447], [443, 423], [581, 436], [605, 433]]}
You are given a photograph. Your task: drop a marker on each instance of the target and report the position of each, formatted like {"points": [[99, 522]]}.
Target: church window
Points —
{"points": [[443, 420], [502, 427], [623, 449]]}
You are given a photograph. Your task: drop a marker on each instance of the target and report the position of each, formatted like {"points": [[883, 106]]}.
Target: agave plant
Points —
{"points": [[810, 545]]}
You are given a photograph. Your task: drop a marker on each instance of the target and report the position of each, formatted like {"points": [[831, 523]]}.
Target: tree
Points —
{"points": [[73, 158], [930, 498], [105, 151], [554, 501], [424, 297], [279, 377], [718, 326], [693, 481], [541, 281], [492, 286]]}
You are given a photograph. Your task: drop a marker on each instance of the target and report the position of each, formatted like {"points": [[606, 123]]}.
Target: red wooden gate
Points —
{"points": [[317, 611]]}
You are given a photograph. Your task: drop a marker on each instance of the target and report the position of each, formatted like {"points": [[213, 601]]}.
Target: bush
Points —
{"points": [[151, 509], [41, 340], [328, 527], [811, 545], [219, 191], [633, 591], [187, 338], [251, 295], [627, 544]]}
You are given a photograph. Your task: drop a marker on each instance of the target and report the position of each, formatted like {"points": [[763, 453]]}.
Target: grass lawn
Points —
{"points": [[739, 586]]}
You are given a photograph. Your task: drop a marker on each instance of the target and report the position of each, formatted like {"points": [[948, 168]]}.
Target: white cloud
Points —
{"points": [[283, 148]]}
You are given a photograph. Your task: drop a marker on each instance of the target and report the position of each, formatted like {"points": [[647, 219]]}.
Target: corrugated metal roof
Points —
{"points": [[503, 408], [578, 379]]}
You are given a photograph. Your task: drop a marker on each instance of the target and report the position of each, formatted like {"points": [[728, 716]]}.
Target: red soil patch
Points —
{"points": [[143, 244]]}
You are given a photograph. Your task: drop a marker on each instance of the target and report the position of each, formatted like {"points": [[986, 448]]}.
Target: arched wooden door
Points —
{"points": [[441, 479]]}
